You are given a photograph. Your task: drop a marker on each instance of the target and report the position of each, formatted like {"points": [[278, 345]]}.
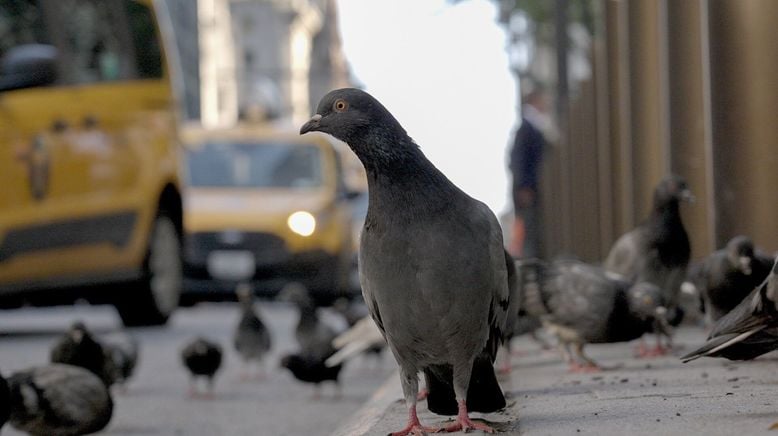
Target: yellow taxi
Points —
{"points": [[89, 157], [267, 208]]}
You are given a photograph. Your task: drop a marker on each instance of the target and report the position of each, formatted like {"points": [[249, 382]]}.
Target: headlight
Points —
{"points": [[302, 223]]}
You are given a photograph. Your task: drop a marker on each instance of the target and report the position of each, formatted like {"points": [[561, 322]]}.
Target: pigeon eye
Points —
{"points": [[340, 105]]}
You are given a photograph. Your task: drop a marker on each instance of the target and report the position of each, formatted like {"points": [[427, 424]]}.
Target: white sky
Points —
{"points": [[442, 70]]}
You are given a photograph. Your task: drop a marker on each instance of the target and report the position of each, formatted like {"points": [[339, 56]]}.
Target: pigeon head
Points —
{"points": [[78, 332], [645, 300], [671, 190], [297, 294], [362, 122], [740, 252]]}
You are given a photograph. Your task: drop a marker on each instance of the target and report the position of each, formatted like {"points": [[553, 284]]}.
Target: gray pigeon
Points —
{"points": [[251, 339], [78, 347], [728, 275], [658, 250], [58, 400], [313, 336], [580, 304], [750, 329], [433, 270]]}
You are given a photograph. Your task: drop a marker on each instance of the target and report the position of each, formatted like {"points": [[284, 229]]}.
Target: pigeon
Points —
{"points": [[728, 275], [5, 401], [313, 336], [78, 347], [121, 353], [251, 339], [58, 400], [658, 250], [580, 304], [202, 358], [309, 369], [433, 269], [750, 329]]}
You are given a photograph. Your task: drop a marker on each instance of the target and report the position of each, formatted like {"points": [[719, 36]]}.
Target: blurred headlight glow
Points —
{"points": [[302, 223]]}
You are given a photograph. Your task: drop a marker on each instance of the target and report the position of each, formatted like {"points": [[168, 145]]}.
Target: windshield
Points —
{"points": [[263, 165]]}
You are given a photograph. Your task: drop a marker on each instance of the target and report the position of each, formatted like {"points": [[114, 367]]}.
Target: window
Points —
{"points": [[21, 22], [148, 53]]}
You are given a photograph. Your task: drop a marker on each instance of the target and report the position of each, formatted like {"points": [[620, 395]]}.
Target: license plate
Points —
{"points": [[231, 265]]}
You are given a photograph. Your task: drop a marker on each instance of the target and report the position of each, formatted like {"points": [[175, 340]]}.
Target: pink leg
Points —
{"points": [[414, 427], [465, 424], [576, 367], [422, 395]]}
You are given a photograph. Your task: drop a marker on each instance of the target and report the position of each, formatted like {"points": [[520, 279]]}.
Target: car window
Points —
{"points": [[145, 43], [264, 165]]}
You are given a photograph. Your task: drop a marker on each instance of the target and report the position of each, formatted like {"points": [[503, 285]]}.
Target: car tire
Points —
{"points": [[152, 299]]}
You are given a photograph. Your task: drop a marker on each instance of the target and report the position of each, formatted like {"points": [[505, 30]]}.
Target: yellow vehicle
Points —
{"points": [[267, 208], [88, 156]]}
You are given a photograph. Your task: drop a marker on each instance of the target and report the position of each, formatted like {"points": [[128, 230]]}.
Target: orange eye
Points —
{"points": [[340, 105]]}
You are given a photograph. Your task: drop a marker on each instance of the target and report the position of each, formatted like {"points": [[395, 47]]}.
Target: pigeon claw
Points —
{"points": [[647, 353], [414, 427], [465, 424], [577, 368]]}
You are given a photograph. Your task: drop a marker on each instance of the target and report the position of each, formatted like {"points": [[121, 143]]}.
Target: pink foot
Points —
{"points": [[577, 368], [422, 395], [657, 351], [465, 424], [414, 427]]}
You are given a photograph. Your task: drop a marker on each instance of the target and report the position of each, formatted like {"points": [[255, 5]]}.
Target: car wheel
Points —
{"points": [[153, 299]]}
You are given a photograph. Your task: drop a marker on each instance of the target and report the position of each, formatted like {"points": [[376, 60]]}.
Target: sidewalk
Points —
{"points": [[656, 396]]}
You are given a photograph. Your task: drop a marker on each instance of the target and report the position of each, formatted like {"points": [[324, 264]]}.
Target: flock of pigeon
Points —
{"points": [[442, 292], [72, 394], [445, 294]]}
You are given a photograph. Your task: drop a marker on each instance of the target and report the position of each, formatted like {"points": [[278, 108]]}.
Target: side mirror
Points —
{"points": [[28, 66]]}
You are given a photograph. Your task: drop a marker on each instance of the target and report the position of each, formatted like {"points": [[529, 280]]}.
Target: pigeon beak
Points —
{"points": [[312, 125], [745, 265], [687, 196]]}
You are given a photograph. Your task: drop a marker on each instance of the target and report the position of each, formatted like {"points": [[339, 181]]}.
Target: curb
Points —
{"points": [[361, 422]]}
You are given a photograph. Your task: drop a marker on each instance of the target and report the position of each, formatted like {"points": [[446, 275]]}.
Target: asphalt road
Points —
{"points": [[156, 401]]}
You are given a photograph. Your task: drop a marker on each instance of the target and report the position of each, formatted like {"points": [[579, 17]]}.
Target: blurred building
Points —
{"points": [[689, 87], [183, 17], [266, 58], [288, 54]]}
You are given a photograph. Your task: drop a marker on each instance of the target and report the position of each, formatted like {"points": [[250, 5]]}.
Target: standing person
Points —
{"points": [[525, 159]]}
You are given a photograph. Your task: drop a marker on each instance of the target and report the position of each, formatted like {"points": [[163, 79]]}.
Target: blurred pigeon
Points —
{"points": [[5, 401], [750, 329], [309, 369], [363, 336], [251, 339], [433, 269], [658, 250], [78, 347], [581, 304], [121, 353], [202, 358], [58, 400], [314, 336], [353, 311], [728, 275]]}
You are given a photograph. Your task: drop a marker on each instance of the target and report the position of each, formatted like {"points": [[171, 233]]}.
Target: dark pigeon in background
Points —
{"points": [[252, 338], [60, 400], [5, 401], [728, 275], [78, 347], [202, 358], [313, 335], [311, 370], [121, 352], [433, 269], [658, 250], [580, 304], [750, 329]]}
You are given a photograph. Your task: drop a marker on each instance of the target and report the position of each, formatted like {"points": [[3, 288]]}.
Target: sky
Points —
{"points": [[442, 70]]}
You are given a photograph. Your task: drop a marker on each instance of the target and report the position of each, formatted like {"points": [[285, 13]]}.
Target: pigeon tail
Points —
{"points": [[483, 394]]}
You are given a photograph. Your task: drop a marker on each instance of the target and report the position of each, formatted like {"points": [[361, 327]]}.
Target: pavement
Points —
{"points": [[658, 396]]}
